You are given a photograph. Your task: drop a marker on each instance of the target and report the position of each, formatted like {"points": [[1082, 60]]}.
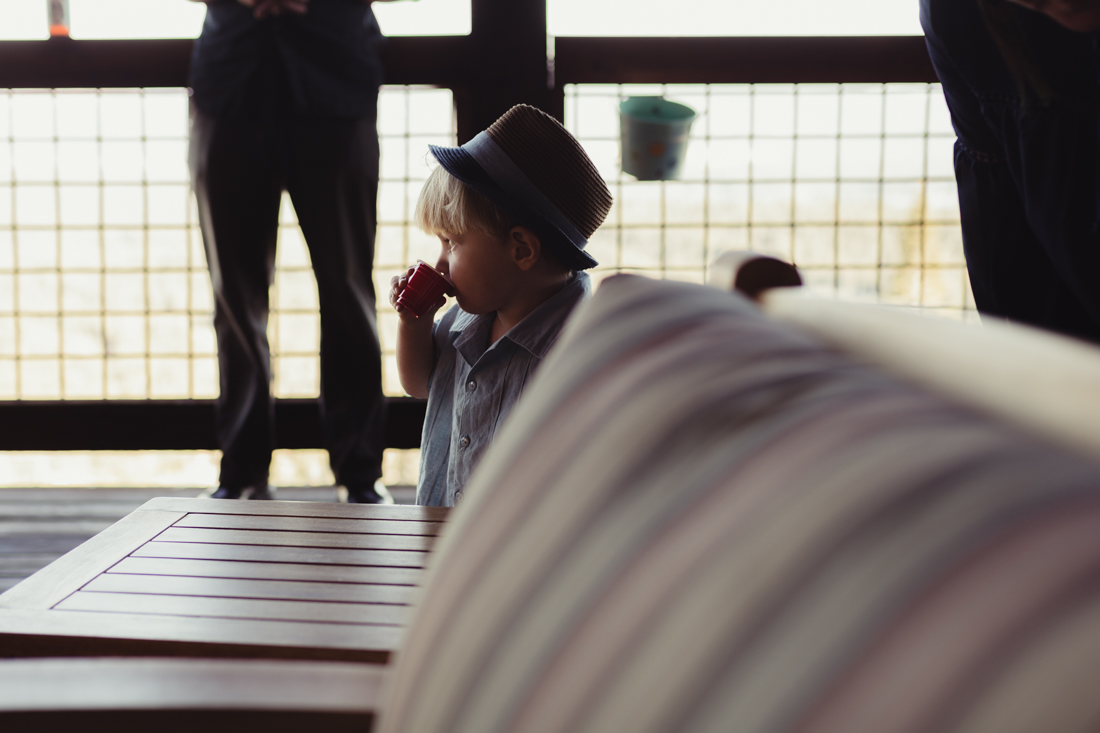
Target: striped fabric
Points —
{"points": [[699, 520]]}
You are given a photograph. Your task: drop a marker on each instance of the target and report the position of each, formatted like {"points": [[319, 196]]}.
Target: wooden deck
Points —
{"points": [[39, 525]]}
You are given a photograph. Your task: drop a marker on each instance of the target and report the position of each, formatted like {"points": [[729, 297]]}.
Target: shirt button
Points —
{"points": [[471, 386], [465, 441]]}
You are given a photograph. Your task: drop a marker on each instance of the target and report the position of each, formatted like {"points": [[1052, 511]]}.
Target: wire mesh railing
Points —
{"points": [[852, 182], [104, 292]]}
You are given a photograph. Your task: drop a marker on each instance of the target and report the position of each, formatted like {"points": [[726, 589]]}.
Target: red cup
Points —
{"points": [[423, 289]]}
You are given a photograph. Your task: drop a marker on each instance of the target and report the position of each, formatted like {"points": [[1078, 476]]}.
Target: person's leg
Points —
{"points": [[1011, 274], [332, 176], [1026, 172], [237, 186]]}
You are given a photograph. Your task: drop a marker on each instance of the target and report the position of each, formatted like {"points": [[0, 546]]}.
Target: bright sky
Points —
{"points": [[26, 19]]}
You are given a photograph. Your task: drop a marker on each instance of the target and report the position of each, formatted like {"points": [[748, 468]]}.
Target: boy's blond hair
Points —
{"points": [[448, 205]]}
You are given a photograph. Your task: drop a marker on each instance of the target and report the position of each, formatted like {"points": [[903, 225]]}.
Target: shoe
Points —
{"points": [[220, 492], [260, 493], [377, 494], [264, 492]]}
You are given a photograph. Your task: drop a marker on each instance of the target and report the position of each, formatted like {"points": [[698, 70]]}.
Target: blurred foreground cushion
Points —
{"points": [[700, 520]]}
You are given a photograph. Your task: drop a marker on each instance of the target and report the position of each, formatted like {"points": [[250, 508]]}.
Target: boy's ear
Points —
{"points": [[526, 247]]}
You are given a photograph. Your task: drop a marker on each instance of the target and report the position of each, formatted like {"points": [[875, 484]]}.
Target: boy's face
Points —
{"points": [[481, 268]]}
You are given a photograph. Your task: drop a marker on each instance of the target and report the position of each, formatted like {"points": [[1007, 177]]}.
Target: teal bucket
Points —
{"points": [[654, 135]]}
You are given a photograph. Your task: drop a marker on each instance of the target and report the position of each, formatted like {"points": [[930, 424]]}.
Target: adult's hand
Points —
{"points": [[264, 8]]}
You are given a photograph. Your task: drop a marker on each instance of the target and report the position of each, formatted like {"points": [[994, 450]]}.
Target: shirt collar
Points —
{"points": [[536, 333]]}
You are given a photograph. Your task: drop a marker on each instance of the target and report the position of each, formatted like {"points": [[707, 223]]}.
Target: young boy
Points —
{"points": [[513, 210]]}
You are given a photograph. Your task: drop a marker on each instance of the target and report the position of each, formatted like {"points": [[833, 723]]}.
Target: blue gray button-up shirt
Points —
{"points": [[475, 384]]}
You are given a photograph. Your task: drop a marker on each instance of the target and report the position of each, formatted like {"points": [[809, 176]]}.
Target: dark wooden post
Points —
{"points": [[508, 65]]}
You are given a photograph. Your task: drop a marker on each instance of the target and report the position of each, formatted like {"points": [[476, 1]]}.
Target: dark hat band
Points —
{"points": [[506, 174]]}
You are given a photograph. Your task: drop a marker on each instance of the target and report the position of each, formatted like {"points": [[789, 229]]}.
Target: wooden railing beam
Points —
{"points": [[794, 60], [172, 424]]}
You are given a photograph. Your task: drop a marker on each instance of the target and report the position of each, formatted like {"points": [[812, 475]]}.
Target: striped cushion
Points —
{"points": [[699, 520]]}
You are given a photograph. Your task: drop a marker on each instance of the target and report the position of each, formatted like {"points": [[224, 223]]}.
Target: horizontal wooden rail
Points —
{"points": [[64, 62], [172, 424], [68, 63], [876, 59], [452, 61]]}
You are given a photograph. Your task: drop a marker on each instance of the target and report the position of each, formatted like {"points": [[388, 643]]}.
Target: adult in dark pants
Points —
{"points": [[284, 97], [1022, 83]]}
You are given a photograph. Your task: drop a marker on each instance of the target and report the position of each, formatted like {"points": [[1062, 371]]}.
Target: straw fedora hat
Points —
{"points": [[531, 167]]}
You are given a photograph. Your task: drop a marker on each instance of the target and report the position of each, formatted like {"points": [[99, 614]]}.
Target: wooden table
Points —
{"points": [[220, 578]]}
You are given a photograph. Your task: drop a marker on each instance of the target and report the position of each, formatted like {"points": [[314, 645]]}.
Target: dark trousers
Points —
{"points": [[330, 169]]}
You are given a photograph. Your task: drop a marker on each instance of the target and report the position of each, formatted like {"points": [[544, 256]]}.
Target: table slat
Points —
{"points": [[82, 685], [297, 539], [259, 589], [69, 633], [315, 612], [266, 571], [254, 553], [310, 524]]}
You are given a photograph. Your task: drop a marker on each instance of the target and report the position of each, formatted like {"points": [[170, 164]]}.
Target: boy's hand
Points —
{"points": [[397, 284]]}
